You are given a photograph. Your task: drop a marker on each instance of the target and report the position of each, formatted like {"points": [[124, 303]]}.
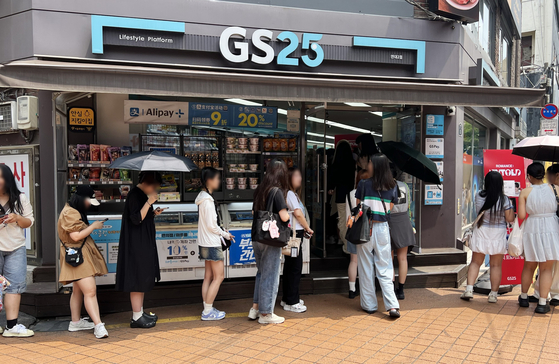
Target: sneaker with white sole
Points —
{"points": [[213, 315], [1, 330], [81, 325], [100, 331], [18, 331], [282, 303], [270, 318], [253, 314], [299, 308], [492, 298], [467, 295]]}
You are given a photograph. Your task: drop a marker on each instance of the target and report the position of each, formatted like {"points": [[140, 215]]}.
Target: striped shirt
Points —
{"points": [[376, 199]]}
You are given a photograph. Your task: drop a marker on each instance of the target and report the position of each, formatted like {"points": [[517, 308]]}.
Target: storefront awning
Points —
{"points": [[108, 78]]}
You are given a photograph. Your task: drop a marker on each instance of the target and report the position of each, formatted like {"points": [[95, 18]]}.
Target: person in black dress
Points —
{"points": [[138, 262]]}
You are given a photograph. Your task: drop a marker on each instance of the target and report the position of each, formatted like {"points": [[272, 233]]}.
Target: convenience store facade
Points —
{"points": [[347, 70]]}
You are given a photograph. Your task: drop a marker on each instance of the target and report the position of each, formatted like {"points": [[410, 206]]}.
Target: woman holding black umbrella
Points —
{"points": [[138, 262]]}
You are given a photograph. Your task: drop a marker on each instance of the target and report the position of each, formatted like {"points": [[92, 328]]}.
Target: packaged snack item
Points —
{"points": [[95, 152], [283, 145], [95, 174], [124, 151], [124, 175], [115, 174], [74, 173], [124, 189], [276, 145], [85, 174], [104, 153], [292, 145], [105, 174], [72, 152], [114, 153], [169, 183], [83, 153], [98, 194], [268, 145]]}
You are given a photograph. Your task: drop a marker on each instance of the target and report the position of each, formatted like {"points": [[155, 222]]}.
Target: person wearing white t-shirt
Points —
{"points": [[293, 266]]}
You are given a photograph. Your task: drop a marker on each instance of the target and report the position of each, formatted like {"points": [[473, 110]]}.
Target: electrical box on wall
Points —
{"points": [[27, 112], [8, 116]]}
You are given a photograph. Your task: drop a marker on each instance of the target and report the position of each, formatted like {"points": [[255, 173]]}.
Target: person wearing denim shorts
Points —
{"points": [[17, 215]]}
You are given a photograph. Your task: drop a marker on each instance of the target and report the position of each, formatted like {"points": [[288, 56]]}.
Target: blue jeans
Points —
{"points": [[13, 266], [375, 257], [268, 262]]}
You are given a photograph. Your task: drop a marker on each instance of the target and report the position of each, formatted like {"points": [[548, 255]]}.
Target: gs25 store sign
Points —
{"points": [[262, 40]]}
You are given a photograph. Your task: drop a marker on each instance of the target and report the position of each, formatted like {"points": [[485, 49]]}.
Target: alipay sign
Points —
{"points": [[155, 112]]}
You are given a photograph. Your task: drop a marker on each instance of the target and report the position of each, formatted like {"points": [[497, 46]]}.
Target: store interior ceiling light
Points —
{"points": [[244, 102], [320, 135], [321, 143], [378, 113], [357, 104]]}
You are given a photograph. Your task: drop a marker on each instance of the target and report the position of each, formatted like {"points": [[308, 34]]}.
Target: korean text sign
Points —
{"points": [[241, 251]]}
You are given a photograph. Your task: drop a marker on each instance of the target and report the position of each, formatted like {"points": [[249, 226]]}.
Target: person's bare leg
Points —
{"points": [[473, 269], [208, 277], [11, 305], [76, 302], [528, 276], [89, 289], [402, 254], [495, 271], [218, 275], [352, 268], [546, 277], [137, 301]]}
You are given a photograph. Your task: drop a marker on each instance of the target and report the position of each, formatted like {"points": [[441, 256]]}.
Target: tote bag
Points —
{"points": [[516, 247], [264, 219]]}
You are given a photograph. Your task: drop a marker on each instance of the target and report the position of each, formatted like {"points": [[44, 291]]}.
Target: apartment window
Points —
{"points": [[526, 50], [505, 52], [487, 28]]}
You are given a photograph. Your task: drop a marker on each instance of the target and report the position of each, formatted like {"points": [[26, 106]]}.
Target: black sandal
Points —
{"points": [[142, 323]]}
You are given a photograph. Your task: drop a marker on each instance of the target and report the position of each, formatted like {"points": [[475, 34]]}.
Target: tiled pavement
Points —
{"points": [[436, 327]]}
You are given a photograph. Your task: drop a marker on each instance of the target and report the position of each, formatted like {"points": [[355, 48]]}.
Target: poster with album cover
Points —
{"points": [[463, 10]]}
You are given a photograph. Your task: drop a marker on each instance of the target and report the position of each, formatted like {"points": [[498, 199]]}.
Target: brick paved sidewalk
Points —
{"points": [[436, 326]]}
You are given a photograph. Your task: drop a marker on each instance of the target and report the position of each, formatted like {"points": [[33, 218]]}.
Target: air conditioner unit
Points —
{"points": [[27, 112], [8, 116]]}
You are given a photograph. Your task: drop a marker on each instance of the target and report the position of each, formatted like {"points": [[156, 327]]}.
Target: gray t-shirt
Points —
{"points": [[493, 218]]}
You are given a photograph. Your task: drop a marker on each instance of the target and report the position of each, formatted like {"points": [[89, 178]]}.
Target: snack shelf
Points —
{"points": [[279, 153], [88, 164], [116, 200], [100, 183], [231, 152], [244, 171]]}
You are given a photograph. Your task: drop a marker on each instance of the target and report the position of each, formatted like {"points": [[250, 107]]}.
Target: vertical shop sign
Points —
{"points": [[435, 125], [434, 148], [433, 195], [19, 164], [241, 251], [293, 116]]}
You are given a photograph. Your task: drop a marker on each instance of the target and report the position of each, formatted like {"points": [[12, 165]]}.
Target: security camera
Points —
{"points": [[450, 110]]}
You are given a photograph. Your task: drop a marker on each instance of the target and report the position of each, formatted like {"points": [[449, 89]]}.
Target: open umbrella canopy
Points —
{"points": [[543, 148], [154, 161], [411, 161]]}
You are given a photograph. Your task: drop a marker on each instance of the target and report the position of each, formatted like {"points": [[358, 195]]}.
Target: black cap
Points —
{"points": [[87, 192]]}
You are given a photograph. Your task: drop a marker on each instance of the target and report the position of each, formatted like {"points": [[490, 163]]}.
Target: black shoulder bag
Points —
{"points": [[262, 222], [360, 232], [74, 256]]}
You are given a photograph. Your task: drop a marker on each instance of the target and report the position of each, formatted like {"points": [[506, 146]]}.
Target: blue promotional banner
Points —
{"points": [[210, 114], [241, 251], [435, 125], [107, 240], [255, 117]]}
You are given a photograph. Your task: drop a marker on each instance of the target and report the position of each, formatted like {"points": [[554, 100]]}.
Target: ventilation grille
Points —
{"points": [[245, 266], [7, 110]]}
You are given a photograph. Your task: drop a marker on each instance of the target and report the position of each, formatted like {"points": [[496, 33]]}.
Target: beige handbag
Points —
{"points": [[293, 243]]}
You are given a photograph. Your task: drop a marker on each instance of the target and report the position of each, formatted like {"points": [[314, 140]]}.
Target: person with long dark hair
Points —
{"points": [[342, 176], [490, 234], [272, 191], [540, 235], [367, 148], [16, 214], [210, 235], [374, 258], [74, 231], [293, 266], [138, 262]]}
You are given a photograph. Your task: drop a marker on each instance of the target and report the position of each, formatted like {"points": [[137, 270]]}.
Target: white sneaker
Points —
{"points": [[253, 314], [100, 331], [18, 331], [270, 318], [82, 324], [467, 295], [282, 303], [299, 308], [492, 298]]}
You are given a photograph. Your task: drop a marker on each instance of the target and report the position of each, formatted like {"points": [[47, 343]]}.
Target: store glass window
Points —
{"points": [[475, 141], [487, 28], [505, 57]]}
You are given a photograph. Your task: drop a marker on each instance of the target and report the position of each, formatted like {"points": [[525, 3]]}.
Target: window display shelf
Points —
{"points": [[247, 171], [99, 183], [88, 164], [237, 152], [279, 153], [116, 200]]}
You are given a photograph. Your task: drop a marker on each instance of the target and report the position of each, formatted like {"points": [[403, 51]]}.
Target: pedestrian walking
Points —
{"points": [[552, 177], [351, 204], [375, 258], [401, 232], [540, 235], [293, 266], [367, 148], [138, 262], [74, 231], [494, 210], [210, 237], [16, 214], [271, 192], [342, 176]]}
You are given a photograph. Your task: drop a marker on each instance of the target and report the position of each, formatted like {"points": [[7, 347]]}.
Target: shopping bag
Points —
{"points": [[516, 247]]}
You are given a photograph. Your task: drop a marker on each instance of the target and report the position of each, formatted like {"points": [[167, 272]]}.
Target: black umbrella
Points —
{"points": [[411, 161], [154, 161]]}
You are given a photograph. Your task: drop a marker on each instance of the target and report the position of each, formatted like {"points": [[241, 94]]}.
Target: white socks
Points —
{"points": [[524, 296], [352, 286], [470, 288], [494, 293], [207, 308], [137, 315], [542, 301]]}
